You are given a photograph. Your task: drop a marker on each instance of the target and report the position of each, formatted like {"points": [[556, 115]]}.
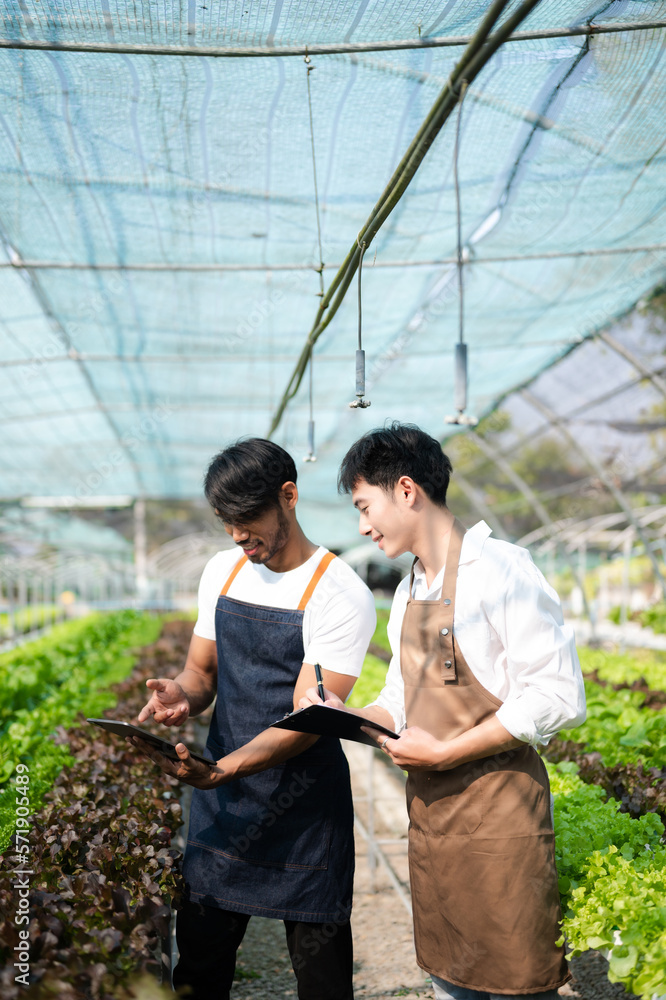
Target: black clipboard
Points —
{"points": [[324, 720], [126, 729]]}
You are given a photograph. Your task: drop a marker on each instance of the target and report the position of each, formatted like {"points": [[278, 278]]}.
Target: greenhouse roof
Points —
{"points": [[158, 221]]}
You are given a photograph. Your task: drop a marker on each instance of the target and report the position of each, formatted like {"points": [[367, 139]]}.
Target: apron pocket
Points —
{"points": [[445, 803]]}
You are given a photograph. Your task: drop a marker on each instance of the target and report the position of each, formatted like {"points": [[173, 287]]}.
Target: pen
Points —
{"points": [[320, 682]]}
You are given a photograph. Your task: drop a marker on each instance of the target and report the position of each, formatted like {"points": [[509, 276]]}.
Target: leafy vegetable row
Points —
{"points": [[620, 729], [33, 617], [103, 870], [46, 684], [653, 618], [612, 872], [626, 668]]}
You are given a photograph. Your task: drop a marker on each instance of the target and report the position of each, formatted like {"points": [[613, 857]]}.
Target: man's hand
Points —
{"points": [[191, 771], [311, 697], [414, 750], [417, 750], [169, 703]]}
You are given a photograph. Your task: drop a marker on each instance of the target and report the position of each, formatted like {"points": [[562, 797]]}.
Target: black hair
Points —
{"points": [[382, 456], [244, 480]]}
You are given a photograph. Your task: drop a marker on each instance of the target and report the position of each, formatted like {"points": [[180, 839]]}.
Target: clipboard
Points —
{"points": [[324, 720], [126, 729]]}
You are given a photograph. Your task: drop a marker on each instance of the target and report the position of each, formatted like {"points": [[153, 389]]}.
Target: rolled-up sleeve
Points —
{"points": [[546, 691]]}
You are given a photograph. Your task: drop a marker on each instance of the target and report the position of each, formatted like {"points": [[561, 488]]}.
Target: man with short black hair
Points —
{"points": [[483, 671], [271, 823]]}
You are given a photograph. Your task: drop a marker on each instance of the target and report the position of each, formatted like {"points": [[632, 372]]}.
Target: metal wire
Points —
{"points": [[311, 457], [360, 301], [314, 175], [195, 267], [459, 251]]}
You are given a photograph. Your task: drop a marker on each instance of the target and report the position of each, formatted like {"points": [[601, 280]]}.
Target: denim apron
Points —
{"points": [[278, 843]]}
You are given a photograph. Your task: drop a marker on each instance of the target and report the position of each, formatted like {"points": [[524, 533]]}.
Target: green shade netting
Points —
{"points": [[126, 381]]}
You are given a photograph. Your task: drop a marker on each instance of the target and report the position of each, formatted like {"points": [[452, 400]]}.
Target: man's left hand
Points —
{"points": [[414, 750], [186, 769]]}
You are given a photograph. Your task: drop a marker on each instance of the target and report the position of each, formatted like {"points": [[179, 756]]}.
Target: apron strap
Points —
{"points": [[324, 563], [452, 560], [447, 603], [411, 578], [232, 576], [316, 577], [453, 548]]}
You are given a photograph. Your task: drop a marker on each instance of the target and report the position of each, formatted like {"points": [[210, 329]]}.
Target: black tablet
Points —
{"points": [[324, 720], [127, 729]]}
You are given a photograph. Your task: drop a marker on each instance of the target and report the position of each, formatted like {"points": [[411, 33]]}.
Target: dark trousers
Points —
{"points": [[208, 939]]}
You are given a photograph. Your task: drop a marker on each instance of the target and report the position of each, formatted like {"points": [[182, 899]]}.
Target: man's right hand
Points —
{"points": [[168, 704], [311, 697]]}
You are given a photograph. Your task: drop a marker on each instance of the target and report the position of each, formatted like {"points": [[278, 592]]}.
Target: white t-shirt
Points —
{"points": [[339, 618], [508, 624]]}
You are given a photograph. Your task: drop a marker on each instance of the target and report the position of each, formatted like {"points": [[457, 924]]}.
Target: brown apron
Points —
{"points": [[481, 844]]}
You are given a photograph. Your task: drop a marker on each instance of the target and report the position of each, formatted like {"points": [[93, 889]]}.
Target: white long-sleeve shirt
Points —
{"points": [[508, 625]]}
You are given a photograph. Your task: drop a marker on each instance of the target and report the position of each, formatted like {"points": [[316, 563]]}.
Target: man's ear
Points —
{"points": [[406, 491], [289, 494]]}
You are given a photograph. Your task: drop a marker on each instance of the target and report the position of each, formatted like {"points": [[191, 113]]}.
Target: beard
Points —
{"points": [[273, 542]]}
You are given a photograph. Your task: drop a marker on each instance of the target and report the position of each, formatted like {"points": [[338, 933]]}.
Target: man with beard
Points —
{"points": [[271, 821]]}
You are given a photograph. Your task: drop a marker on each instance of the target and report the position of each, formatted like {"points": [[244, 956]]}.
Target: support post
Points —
{"points": [[140, 551]]}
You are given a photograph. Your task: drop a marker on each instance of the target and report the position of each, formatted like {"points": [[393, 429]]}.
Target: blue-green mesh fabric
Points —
{"points": [[127, 381]]}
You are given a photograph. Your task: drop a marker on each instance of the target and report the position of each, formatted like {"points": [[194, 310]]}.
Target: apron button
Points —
{"points": [[445, 631], [446, 600], [447, 663]]}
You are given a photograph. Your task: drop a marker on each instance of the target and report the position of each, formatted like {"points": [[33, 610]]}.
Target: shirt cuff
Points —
{"points": [[519, 723]]}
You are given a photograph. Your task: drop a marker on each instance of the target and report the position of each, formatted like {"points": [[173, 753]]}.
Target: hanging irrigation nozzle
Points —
{"points": [[360, 403], [311, 457], [460, 396]]}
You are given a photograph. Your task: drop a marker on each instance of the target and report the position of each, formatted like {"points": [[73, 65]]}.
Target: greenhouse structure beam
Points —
{"points": [[532, 500], [588, 405], [476, 499], [556, 421], [629, 356], [333, 48], [195, 267]]}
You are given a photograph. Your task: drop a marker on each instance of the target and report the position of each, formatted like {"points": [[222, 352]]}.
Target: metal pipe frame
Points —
{"points": [[334, 48], [591, 460], [55, 265], [615, 345], [534, 503]]}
